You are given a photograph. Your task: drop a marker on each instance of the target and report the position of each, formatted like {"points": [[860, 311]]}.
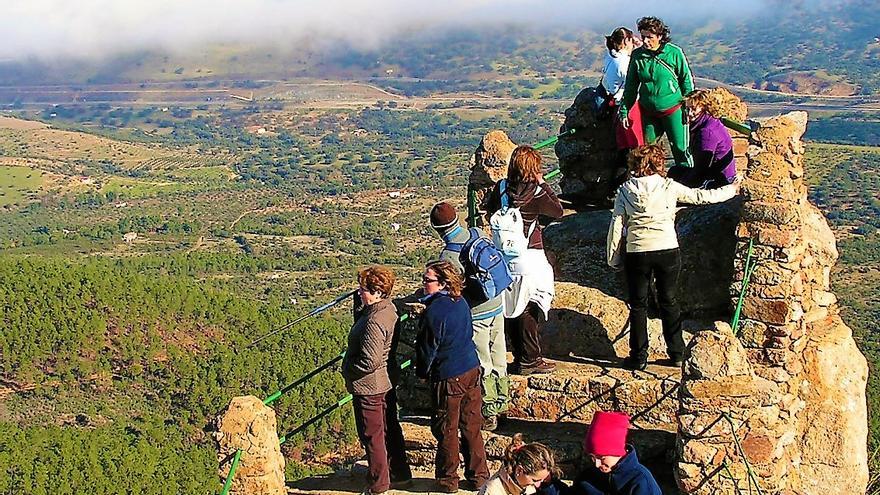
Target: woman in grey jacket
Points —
{"points": [[370, 371], [642, 239]]}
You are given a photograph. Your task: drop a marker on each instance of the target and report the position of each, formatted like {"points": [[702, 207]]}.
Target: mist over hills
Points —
{"points": [[808, 47]]}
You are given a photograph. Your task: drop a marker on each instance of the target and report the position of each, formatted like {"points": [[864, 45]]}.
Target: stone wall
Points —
{"points": [[792, 386], [249, 425]]}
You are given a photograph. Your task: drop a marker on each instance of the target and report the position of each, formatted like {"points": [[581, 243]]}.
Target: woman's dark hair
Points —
{"points": [[647, 160], [654, 25], [531, 457], [448, 275], [617, 38]]}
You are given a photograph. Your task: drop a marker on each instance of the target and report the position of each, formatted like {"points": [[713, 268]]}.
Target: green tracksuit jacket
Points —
{"points": [[659, 87]]}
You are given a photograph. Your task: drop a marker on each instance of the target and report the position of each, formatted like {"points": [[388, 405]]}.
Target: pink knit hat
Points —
{"points": [[607, 434]]}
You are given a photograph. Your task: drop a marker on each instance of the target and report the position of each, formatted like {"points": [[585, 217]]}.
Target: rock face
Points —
{"points": [[576, 248], [488, 166], [591, 166], [792, 386], [249, 425]]}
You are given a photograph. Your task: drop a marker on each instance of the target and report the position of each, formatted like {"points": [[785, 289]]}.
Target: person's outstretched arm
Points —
{"points": [[692, 196]]}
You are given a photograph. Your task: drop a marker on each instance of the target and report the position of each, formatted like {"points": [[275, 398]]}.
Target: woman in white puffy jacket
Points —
{"points": [[642, 239]]}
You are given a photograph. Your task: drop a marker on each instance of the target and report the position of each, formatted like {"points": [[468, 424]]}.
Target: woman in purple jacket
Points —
{"points": [[711, 146]]}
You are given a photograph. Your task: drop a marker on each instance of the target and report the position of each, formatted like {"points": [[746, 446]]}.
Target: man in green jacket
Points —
{"points": [[659, 76]]}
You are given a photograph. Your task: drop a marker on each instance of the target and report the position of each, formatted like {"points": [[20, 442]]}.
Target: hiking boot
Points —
{"points": [[540, 367], [634, 363], [490, 423]]}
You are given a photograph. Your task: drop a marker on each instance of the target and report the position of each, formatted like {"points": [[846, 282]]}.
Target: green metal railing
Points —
{"points": [[341, 402], [319, 309], [726, 468], [748, 267], [277, 395], [736, 126], [751, 473], [227, 485]]}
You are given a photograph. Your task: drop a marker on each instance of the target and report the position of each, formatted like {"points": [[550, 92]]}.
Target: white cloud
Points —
{"points": [[90, 28]]}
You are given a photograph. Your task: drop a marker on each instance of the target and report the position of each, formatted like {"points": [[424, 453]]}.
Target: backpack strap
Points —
{"points": [[503, 194], [459, 247]]}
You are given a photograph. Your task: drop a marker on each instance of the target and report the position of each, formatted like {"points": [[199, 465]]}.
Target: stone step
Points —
{"points": [[578, 388], [565, 439]]}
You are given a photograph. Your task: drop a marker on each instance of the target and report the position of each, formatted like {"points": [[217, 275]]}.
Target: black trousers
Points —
{"points": [[664, 266], [525, 338]]}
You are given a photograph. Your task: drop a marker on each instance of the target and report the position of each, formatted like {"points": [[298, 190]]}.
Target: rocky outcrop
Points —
{"points": [[488, 166], [249, 425], [791, 388], [784, 390], [591, 166]]}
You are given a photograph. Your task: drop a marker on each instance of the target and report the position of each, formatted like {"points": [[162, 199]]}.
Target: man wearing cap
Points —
{"points": [[488, 321], [615, 467]]}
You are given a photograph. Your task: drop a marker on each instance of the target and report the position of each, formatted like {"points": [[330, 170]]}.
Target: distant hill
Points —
{"points": [[830, 48]]}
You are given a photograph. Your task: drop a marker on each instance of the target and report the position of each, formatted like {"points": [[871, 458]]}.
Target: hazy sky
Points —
{"points": [[91, 28]]}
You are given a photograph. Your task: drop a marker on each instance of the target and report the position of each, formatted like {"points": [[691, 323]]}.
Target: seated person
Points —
{"points": [[615, 468], [710, 144], [526, 467]]}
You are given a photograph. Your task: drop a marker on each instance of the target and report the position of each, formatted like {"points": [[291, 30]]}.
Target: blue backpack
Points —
{"points": [[485, 271]]}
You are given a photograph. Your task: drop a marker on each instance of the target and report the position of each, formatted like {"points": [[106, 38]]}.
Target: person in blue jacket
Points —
{"points": [[615, 467], [447, 357]]}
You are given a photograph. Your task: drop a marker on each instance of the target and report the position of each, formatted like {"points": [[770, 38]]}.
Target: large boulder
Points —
{"points": [[591, 166], [488, 165], [250, 426]]}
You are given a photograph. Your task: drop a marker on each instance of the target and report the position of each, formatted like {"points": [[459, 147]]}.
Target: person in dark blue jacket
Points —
{"points": [[447, 357], [615, 467]]}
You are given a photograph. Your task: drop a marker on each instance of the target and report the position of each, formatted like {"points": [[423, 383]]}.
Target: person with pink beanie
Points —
{"points": [[615, 467]]}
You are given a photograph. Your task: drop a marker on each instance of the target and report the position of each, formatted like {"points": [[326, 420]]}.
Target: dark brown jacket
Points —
{"points": [[533, 200], [369, 354]]}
